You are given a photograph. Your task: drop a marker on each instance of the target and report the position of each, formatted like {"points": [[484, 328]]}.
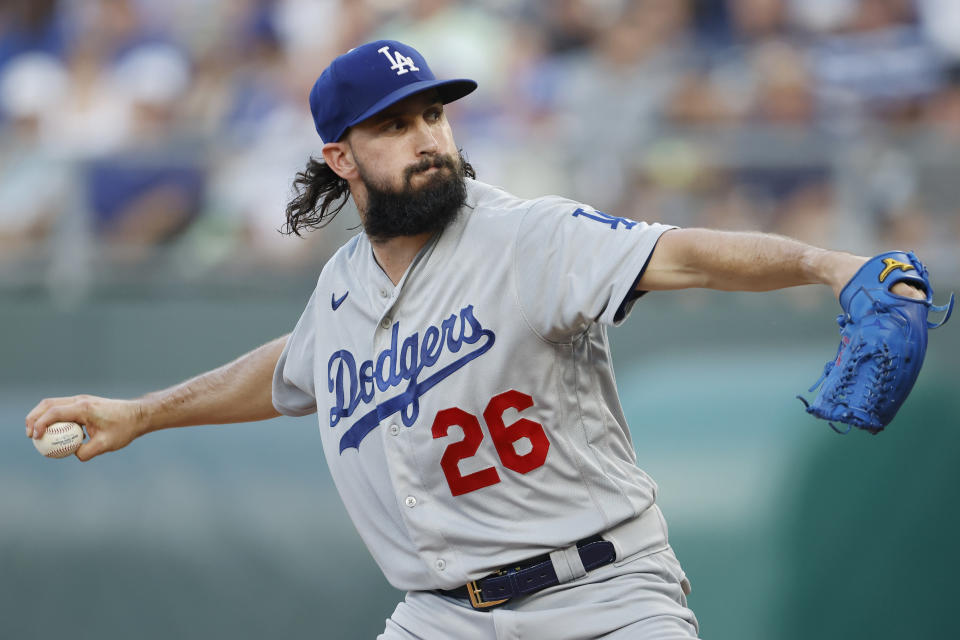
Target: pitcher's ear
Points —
{"points": [[339, 157]]}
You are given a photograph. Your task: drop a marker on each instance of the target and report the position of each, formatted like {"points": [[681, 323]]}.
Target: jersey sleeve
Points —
{"points": [[575, 266], [293, 386]]}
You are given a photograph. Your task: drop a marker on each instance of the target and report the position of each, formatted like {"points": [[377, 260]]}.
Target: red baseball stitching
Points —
{"points": [[58, 430]]}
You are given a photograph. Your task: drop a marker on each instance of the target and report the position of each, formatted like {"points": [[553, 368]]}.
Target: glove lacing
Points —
{"points": [[882, 369], [881, 379], [838, 394]]}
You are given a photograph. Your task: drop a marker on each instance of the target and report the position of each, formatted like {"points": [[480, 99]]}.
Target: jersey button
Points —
{"points": [[440, 564], [384, 293], [410, 501], [385, 323], [394, 430]]}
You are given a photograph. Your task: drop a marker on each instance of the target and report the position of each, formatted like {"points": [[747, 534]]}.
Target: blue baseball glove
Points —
{"points": [[883, 339]]}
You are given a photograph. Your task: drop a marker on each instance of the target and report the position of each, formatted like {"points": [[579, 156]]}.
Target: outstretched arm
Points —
{"points": [[240, 391], [733, 261]]}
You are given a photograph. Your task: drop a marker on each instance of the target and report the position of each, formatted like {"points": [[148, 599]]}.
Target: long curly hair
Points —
{"points": [[320, 194]]}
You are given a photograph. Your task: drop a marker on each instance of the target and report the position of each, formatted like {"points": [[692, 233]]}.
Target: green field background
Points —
{"points": [[786, 529]]}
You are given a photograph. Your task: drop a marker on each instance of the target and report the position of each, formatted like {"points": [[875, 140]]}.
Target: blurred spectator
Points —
{"points": [[30, 26], [784, 93], [614, 96], [943, 110], [323, 29], [940, 20], [249, 189], [34, 177], [571, 26], [729, 57], [241, 72], [822, 16], [94, 117], [257, 87], [117, 26], [244, 210], [515, 145], [265, 137], [757, 20], [783, 117], [878, 64], [145, 192], [891, 199]]}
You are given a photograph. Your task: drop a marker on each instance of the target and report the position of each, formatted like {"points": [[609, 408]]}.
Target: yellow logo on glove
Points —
{"points": [[891, 265]]}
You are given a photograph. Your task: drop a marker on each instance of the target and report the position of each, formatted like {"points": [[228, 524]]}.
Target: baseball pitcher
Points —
{"points": [[455, 354]]}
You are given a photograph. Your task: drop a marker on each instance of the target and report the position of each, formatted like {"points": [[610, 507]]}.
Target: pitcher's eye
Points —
{"points": [[392, 126]]}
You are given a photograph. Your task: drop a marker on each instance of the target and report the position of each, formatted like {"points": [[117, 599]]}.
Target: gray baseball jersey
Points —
{"points": [[469, 414]]}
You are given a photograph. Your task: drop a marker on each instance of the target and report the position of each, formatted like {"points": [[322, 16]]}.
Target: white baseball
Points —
{"points": [[60, 439]]}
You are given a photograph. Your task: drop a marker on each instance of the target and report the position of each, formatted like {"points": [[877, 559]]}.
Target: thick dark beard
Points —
{"points": [[411, 211]]}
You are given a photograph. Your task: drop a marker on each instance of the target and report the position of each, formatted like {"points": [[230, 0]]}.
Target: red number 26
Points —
{"points": [[504, 439]]}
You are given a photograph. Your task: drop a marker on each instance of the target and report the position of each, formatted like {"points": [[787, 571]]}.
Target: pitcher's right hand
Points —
{"points": [[110, 424]]}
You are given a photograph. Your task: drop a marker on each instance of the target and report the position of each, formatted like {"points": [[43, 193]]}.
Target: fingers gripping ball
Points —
{"points": [[60, 440], [883, 340]]}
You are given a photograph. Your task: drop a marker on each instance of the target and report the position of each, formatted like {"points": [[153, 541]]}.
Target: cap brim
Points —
{"points": [[449, 90]]}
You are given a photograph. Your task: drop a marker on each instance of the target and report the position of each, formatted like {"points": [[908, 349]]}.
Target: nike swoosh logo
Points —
{"points": [[336, 302]]}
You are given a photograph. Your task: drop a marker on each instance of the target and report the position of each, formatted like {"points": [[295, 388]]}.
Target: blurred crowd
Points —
{"points": [[140, 129]]}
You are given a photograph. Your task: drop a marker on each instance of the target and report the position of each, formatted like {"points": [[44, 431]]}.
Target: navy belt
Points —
{"points": [[532, 576]]}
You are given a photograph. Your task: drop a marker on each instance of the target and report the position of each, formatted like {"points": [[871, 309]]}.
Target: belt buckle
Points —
{"points": [[476, 597]]}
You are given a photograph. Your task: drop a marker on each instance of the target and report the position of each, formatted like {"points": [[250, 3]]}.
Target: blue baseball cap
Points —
{"points": [[366, 80]]}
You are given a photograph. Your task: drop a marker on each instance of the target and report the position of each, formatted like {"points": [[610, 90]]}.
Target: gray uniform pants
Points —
{"points": [[642, 597]]}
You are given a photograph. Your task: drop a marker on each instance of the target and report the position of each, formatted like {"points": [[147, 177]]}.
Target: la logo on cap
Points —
{"points": [[398, 62], [358, 85]]}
